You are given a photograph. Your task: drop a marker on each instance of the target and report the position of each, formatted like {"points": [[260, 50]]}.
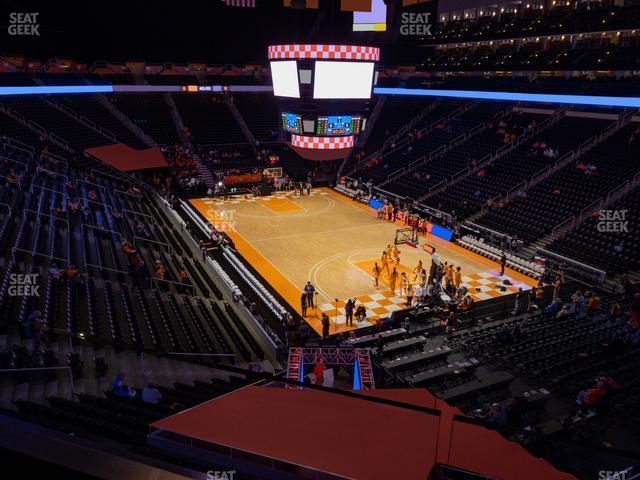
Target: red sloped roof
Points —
{"points": [[357, 438]]}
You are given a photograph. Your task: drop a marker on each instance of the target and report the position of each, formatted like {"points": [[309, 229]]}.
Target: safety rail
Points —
{"points": [[399, 134], [576, 268], [503, 150], [33, 253], [163, 281], [613, 195], [81, 119], [143, 239]]}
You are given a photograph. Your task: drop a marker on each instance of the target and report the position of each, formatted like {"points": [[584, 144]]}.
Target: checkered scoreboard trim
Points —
{"points": [[322, 143], [333, 52]]}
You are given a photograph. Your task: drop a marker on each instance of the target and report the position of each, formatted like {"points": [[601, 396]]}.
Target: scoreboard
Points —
{"points": [[337, 125], [291, 122], [324, 94]]}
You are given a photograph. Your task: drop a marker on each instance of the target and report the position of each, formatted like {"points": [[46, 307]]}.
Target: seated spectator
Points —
{"points": [[54, 272], [151, 394], [159, 271], [120, 388], [73, 275]]}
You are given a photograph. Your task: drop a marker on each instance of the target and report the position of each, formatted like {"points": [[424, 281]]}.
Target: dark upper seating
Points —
{"points": [[150, 112], [208, 119], [592, 244], [585, 18], [440, 132], [75, 133], [418, 182], [89, 107], [261, 113], [568, 191], [516, 166]]}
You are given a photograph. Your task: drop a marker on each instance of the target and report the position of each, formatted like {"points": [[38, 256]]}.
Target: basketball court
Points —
{"points": [[333, 241]]}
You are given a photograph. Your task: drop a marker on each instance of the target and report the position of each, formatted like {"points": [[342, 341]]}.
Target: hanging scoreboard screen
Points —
{"points": [[338, 125], [291, 123]]}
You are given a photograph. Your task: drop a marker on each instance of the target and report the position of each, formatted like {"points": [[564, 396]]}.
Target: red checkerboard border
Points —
{"points": [[322, 143], [333, 52]]}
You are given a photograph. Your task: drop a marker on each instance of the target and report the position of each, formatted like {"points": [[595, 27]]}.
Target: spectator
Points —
{"points": [[120, 388], [326, 324], [151, 394], [593, 305]]}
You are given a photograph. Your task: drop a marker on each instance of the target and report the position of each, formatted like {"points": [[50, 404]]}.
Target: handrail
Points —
{"points": [[152, 241], [186, 285], [42, 187], [125, 210], [102, 267], [90, 183], [82, 225], [38, 254], [601, 274]]}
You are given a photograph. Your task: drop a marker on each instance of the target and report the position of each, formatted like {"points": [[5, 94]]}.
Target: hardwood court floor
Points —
{"points": [[333, 241]]}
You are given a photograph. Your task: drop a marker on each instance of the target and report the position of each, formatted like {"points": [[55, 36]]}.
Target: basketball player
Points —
{"points": [[384, 262], [404, 283], [457, 277], [396, 256], [423, 278], [417, 271], [393, 278], [376, 274]]}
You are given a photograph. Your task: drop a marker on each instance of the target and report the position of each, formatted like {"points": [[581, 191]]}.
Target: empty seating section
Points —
{"points": [[498, 177], [439, 132], [150, 112], [120, 419], [75, 133], [563, 353], [111, 305], [208, 119], [568, 191], [417, 182], [261, 113], [396, 112], [12, 129], [595, 240], [89, 107]]}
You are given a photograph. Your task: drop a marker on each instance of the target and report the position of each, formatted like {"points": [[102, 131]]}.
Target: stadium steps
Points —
{"points": [[37, 129], [606, 201], [502, 151], [126, 121], [384, 149], [444, 149], [238, 116], [177, 120]]}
